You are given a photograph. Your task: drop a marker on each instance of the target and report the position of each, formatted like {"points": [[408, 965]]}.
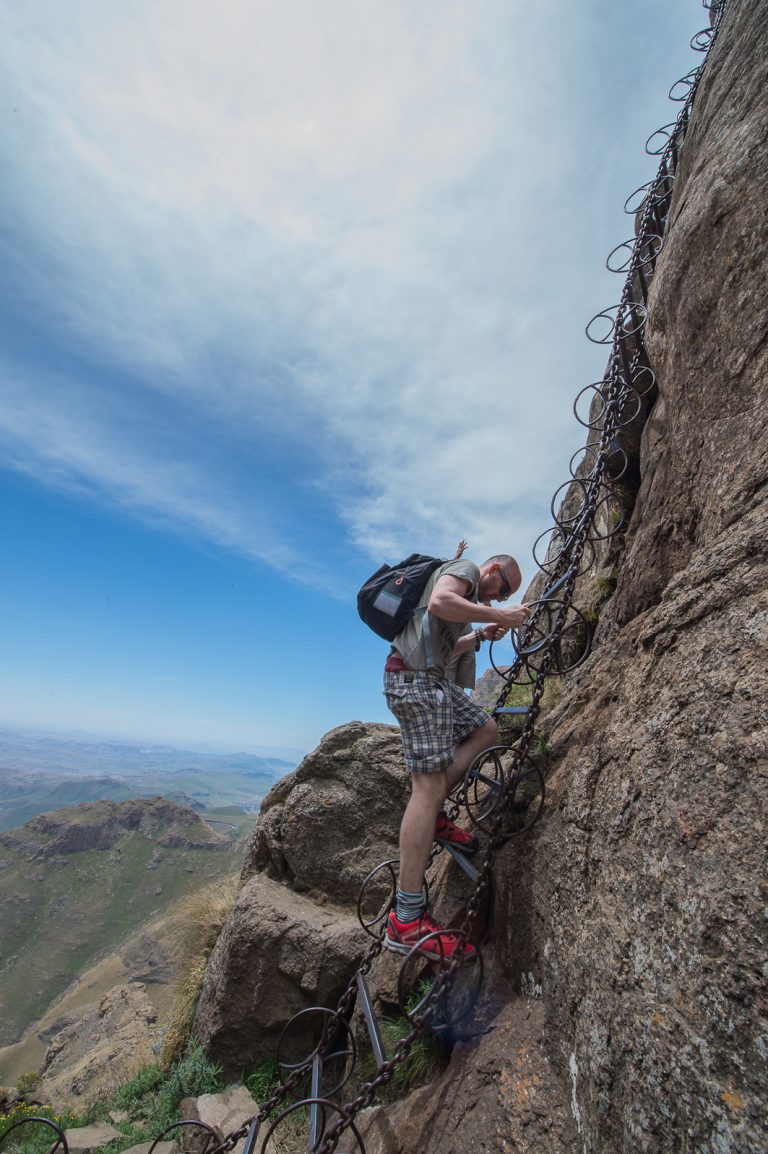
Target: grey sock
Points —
{"points": [[409, 906]]}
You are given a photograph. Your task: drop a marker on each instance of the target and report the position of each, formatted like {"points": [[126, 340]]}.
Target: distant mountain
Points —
{"points": [[25, 795], [41, 773], [76, 882], [82, 756]]}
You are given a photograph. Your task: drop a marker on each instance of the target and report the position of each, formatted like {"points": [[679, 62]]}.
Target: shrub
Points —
{"points": [[425, 1059], [30, 1138], [28, 1083], [130, 1095], [426, 1056], [153, 1095]]}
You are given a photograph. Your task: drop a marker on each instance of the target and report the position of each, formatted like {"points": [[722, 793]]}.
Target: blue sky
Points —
{"points": [[290, 289]]}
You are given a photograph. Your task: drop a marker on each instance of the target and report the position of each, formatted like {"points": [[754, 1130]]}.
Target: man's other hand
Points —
{"points": [[494, 632]]}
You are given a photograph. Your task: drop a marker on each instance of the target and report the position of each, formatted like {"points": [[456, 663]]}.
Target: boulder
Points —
{"points": [[85, 1139], [223, 1112], [326, 825], [279, 952]]}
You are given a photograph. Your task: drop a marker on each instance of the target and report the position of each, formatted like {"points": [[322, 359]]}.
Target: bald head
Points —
{"points": [[499, 577]]}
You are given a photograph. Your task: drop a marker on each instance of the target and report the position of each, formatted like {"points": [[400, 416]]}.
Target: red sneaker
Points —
{"points": [[401, 937], [448, 833]]}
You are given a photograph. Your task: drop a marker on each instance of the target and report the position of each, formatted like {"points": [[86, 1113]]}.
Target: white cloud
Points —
{"points": [[320, 226]]}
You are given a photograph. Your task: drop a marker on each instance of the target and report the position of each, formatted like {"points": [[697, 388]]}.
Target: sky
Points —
{"points": [[290, 289]]}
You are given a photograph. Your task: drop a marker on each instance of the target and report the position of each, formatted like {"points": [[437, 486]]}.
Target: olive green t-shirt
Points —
{"points": [[412, 644]]}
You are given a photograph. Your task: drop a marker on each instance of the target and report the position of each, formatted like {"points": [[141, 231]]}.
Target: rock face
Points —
{"points": [[326, 825], [100, 1046], [293, 939], [639, 902], [498, 1094]]}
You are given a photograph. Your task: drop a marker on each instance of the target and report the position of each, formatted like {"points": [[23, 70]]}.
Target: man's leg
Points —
{"points": [[480, 739], [428, 792], [417, 830]]}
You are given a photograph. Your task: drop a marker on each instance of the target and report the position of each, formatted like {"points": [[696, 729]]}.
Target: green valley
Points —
{"points": [[77, 882]]}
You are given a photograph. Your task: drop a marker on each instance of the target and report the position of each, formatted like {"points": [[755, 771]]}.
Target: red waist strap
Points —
{"points": [[395, 664]]}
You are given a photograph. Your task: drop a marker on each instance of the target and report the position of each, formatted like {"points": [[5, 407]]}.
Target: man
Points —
{"points": [[442, 730]]}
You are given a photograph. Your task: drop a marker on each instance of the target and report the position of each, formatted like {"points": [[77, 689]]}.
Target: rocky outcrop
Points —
{"points": [[101, 825], [100, 1045], [279, 952], [498, 1094], [323, 827], [293, 939]]}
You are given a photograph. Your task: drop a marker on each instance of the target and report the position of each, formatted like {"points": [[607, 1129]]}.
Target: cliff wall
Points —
{"points": [[639, 901]]}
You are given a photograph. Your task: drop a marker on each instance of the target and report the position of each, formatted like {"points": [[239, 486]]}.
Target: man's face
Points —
{"points": [[497, 584]]}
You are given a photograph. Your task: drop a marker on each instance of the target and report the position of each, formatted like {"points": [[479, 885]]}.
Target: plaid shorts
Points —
{"points": [[434, 717]]}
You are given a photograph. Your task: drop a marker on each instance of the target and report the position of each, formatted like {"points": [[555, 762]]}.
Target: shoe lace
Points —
{"points": [[429, 926]]}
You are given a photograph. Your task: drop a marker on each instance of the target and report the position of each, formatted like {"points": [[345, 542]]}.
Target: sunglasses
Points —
{"points": [[505, 588]]}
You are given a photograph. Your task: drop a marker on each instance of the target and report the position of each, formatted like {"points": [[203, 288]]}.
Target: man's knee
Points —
{"points": [[429, 787], [489, 732]]}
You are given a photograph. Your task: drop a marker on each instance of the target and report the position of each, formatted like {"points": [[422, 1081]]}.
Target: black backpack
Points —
{"points": [[388, 599]]}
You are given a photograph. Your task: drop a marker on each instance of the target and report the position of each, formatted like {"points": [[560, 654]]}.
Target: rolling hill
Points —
{"points": [[76, 882]]}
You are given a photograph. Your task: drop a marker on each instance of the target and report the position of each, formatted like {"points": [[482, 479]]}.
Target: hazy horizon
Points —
{"points": [[280, 753]]}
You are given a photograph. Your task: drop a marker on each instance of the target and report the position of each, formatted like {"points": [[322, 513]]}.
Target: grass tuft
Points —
{"points": [[425, 1058], [201, 918], [262, 1082], [151, 1098]]}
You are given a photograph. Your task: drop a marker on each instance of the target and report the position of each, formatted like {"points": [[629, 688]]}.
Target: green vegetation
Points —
{"points": [[28, 1083], [426, 1058], [151, 1099], [604, 587], [519, 696], [61, 912], [263, 1080], [31, 1138], [541, 745]]}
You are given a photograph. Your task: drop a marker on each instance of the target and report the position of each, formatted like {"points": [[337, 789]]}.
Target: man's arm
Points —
{"points": [[448, 601]]}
